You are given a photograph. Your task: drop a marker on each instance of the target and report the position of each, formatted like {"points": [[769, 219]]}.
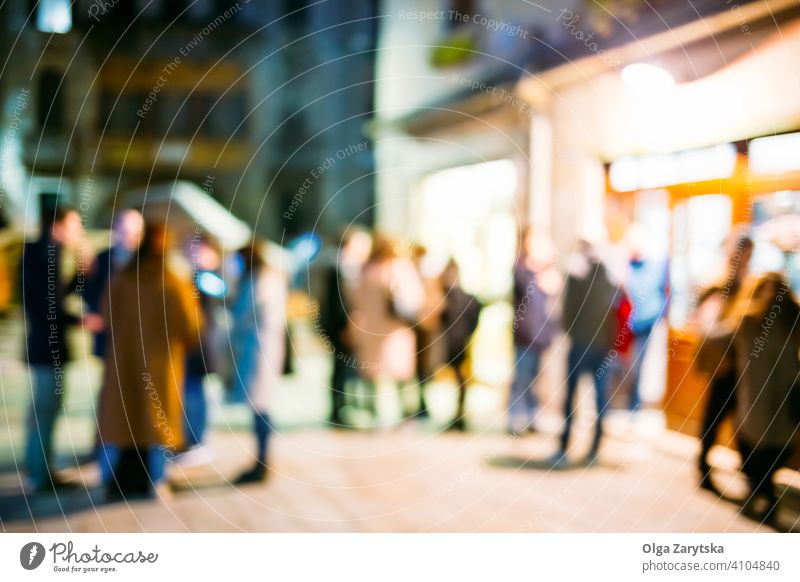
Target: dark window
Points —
{"points": [[51, 100], [463, 11], [118, 112]]}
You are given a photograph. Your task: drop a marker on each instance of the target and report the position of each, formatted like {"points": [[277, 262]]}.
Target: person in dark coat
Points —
{"points": [[334, 315], [47, 321], [459, 320], [533, 327], [590, 322], [714, 306], [764, 326]]}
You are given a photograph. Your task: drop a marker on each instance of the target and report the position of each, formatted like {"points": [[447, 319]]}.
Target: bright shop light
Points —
{"points": [[645, 78], [656, 170], [54, 16], [775, 154]]}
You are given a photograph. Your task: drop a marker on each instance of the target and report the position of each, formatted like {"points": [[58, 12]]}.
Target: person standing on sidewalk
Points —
{"points": [[152, 320], [341, 278], [590, 322], [715, 361], [646, 285], [766, 335], [535, 282], [459, 320], [47, 321], [258, 341]]}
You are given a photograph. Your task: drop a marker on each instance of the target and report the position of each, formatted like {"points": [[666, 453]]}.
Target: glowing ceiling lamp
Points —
{"points": [[645, 78]]}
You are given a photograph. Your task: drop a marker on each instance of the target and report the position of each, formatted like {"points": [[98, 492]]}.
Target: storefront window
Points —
{"points": [[700, 227]]}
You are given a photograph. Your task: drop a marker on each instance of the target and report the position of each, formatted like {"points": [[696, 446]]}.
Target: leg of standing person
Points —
{"points": [[520, 415], [574, 370], [720, 403], [423, 375], [262, 428], [195, 409], [459, 421], [338, 381], [46, 399], [601, 401], [640, 342]]}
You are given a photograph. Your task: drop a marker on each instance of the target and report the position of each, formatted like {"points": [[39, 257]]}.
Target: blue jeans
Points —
{"points": [[640, 343], [47, 395], [523, 402], [195, 410], [579, 361], [109, 456]]}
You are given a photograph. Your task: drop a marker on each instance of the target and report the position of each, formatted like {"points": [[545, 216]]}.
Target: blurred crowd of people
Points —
{"points": [[389, 323], [151, 304]]}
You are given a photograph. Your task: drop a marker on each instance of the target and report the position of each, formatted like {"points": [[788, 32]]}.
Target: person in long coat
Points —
{"points": [[258, 341], [386, 304], [766, 329], [153, 320]]}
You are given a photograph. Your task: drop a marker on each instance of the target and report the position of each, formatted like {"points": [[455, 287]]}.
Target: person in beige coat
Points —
{"points": [[152, 320], [386, 305]]}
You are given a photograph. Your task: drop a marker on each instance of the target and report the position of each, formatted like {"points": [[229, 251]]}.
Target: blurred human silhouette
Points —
{"points": [[127, 229], [646, 286], [427, 325], [459, 320], [153, 320], [535, 282], [717, 362], [45, 287], [766, 337], [204, 359], [258, 343], [340, 280], [590, 322], [386, 304]]}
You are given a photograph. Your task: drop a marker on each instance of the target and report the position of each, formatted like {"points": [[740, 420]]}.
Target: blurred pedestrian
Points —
{"points": [[716, 361], [428, 324], [646, 286], [459, 320], [340, 280], [204, 359], [590, 322], [536, 281], [127, 229], [258, 343], [45, 288], [386, 306], [153, 320], [766, 331]]}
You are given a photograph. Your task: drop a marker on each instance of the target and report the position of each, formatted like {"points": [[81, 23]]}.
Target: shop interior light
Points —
{"points": [[656, 170], [775, 154], [645, 78]]}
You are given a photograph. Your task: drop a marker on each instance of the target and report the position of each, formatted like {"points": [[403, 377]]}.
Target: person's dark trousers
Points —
{"points": [[640, 343], [195, 409], [423, 340], [759, 464], [342, 372], [720, 404], [47, 394], [582, 360], [263, 428], [523, 403]]}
